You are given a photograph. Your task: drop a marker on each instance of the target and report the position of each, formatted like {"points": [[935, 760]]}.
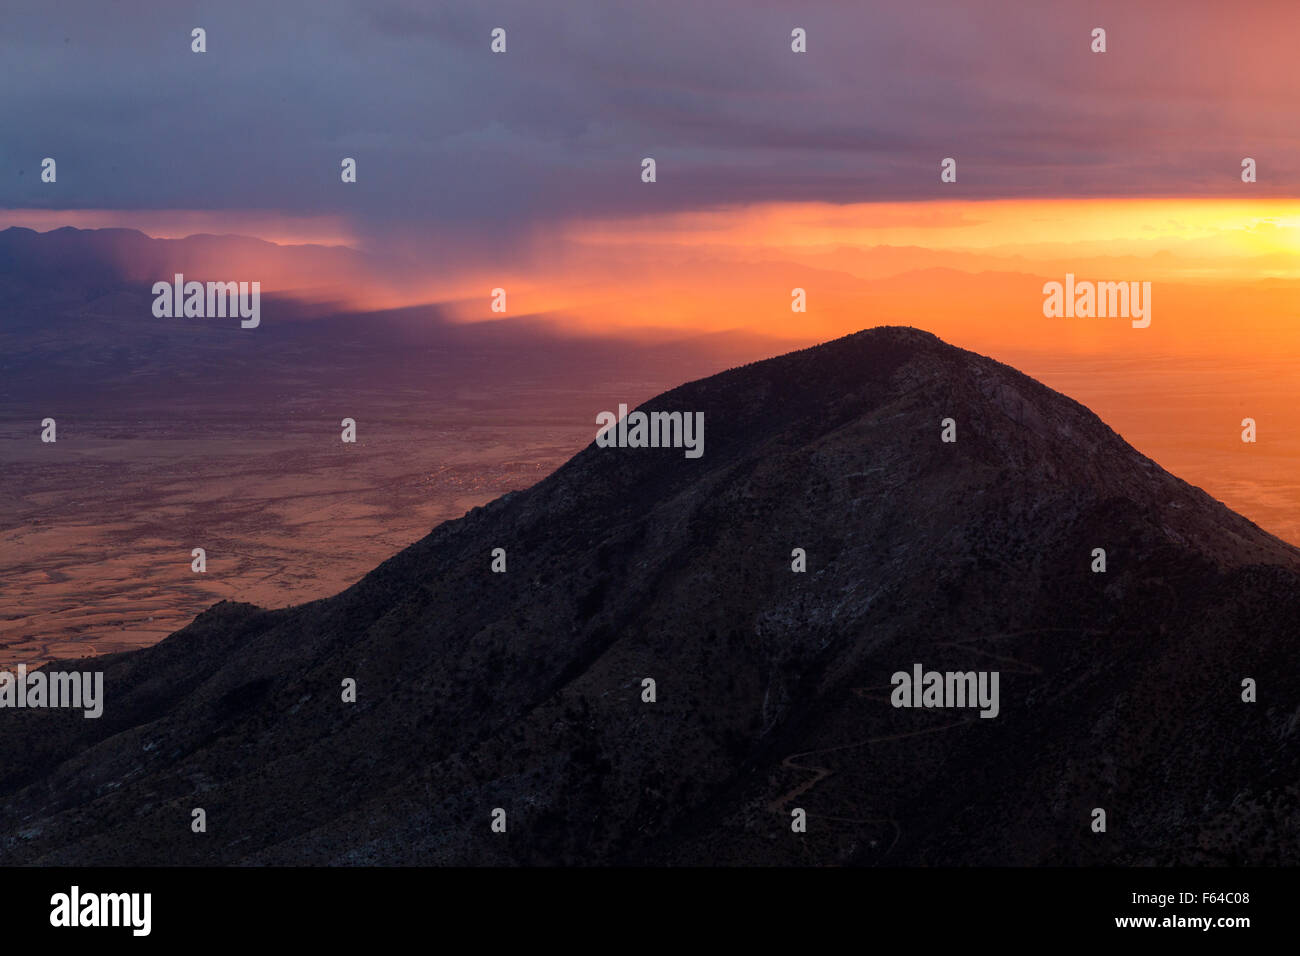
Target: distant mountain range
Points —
{"points": [[90, 261], [76, 321], [1119, 690]]}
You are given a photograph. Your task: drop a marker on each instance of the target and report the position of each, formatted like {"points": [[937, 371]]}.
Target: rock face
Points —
{"points": [[1119, 690]]}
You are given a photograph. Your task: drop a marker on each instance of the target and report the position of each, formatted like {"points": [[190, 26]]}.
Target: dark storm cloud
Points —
{"points": [[446, 132]]}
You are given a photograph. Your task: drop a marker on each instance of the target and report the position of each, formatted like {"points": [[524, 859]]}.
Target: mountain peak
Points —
{"points": [[884, 503]]}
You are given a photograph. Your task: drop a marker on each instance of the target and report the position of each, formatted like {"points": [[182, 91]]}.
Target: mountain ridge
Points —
{"points": [[522, 690]]}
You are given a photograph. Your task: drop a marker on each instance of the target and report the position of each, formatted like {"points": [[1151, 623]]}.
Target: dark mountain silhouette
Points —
{"points": [[68, 261], [1119, 690]]}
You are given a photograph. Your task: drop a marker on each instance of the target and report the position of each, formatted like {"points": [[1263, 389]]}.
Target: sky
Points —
{"points": [[523, 169], [449, 135], [775, 169]]}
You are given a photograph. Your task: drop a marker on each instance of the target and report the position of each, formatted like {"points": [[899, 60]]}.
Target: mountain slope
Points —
{"points": [[522, 690]]}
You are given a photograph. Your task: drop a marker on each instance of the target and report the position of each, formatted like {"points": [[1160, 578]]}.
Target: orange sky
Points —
{"points": [[1223, 343], [1225, 273], [971, 271]]}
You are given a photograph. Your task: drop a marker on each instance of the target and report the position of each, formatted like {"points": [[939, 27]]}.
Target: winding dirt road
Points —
{"points": [[820, 773]]}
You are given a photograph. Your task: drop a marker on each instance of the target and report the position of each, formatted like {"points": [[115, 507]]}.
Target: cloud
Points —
{"points": [[450, 137]]}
